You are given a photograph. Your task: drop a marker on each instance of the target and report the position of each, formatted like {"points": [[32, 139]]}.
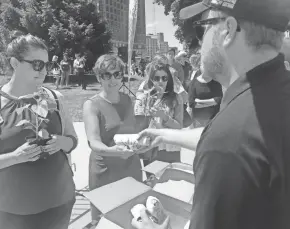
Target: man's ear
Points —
{"points": [[229, 32], [14, 62]]}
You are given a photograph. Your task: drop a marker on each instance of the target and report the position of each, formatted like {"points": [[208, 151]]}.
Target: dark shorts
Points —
{"points": [[54, 218]]}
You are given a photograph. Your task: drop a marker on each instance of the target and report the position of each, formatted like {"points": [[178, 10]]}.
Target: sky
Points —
{"points": [[161, 24]]}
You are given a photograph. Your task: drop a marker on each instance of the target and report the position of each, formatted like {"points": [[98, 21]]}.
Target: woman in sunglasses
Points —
{"points": [[165, 109], [34, 192], [106, 114]]}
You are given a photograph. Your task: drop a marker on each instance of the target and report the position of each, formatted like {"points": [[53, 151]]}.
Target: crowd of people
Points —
{"points": [[229, 102], [62, 70]]}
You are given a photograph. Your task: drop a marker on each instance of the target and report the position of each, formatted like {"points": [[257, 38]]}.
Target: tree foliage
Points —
{"points": [[185, 32], [67, 26]]}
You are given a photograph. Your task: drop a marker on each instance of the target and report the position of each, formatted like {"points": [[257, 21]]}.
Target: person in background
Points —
{"points": [[204, 98], [56, 70], [79, 67], [65, 71], [162, 108], [108, 113], [175, 65], [182, 58], [194, 61], [178, 88], [204, 95], [34, 192]]}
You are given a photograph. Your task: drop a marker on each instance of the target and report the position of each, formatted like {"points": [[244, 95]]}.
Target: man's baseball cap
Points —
{"points": [[274, 14]]}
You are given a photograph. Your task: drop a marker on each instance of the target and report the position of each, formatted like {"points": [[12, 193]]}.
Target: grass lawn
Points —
{"points": [[75, 96]]}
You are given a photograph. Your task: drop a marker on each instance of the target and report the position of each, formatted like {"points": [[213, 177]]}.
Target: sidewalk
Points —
{"points": [[80, 156]]}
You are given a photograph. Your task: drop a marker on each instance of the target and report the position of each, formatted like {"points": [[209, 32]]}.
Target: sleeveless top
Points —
{"points": [[110, 116], [32, 187]]}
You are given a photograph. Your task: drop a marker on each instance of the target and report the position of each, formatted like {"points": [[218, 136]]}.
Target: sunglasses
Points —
{"points": [[107, 75], [158, 78], [38, 65], [200, 28]]}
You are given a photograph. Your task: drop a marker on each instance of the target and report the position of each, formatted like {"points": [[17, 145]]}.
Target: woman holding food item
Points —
{"points": [[163, 108], [106, 114]]}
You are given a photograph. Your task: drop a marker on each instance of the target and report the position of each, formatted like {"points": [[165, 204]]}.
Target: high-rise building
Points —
{"points": [[164, 47], [155, 44], [116, 12], [160, 37], [151, 46]]}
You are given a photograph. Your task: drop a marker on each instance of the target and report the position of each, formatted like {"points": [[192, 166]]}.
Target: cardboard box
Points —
{"points": [[116, 200]]}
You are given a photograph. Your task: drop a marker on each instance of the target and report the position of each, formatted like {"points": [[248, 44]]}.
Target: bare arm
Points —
{"points": [[68, 128], [7, 160], [92, 128], [185, 138], [200, 103], [22, 154]]}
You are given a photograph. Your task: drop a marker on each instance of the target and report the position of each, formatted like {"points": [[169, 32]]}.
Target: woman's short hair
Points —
{"points": [[108, 62], [21, 44]]}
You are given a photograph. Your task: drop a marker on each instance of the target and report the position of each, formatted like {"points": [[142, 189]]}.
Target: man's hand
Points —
{"points": [[146, 223], [157, 136]]}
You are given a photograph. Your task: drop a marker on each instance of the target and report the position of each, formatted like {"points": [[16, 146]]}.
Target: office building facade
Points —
{"points": [[116, 13]]}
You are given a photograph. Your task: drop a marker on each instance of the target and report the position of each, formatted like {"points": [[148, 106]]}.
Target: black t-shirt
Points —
{"points": [[198, 90], [242, 163]]}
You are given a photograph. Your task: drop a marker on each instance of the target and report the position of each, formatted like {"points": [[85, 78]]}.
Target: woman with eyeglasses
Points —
{"points": [[165, 109], [34, 192], [108, 113]]}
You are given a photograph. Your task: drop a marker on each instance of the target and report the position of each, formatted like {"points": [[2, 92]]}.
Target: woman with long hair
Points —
{"points": [[163, 109], [108, 113], [35, 191]]}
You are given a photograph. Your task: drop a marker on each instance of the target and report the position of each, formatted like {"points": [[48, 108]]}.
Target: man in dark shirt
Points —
{"points": [[242, 159], [175, 65]]}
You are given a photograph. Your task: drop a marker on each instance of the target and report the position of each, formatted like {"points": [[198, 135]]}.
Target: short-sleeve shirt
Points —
{"points": [[32, 187], [242, 164]]}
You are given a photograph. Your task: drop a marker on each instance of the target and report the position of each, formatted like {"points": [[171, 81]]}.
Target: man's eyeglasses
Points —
{"points": [[200, 28], [38, 65], [107, 75], [158, 78]]}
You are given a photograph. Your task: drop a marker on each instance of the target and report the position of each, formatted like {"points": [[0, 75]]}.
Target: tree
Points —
{"points": [[185, 32], [67, 26]]}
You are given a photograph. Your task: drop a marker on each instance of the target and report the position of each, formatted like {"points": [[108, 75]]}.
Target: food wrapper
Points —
{"points": [[154, 208], [136, 210], [131, 141]]}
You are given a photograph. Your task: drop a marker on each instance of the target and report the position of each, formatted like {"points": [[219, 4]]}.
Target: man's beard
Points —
{"points": [[213, 62]]}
